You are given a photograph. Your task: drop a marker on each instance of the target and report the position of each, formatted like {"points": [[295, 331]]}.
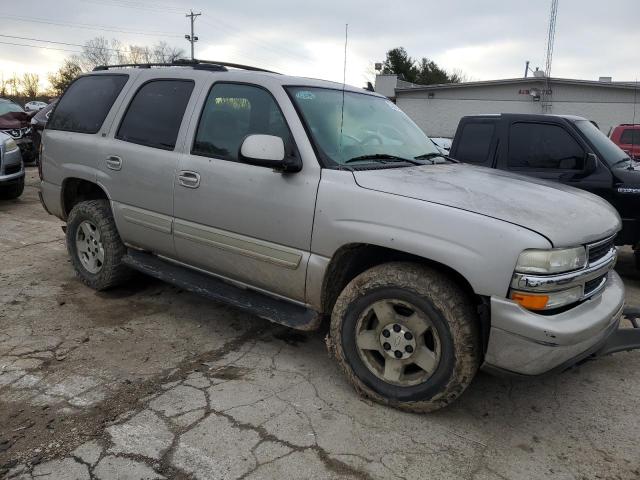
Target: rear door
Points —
{"points": [[139, 164], [475, 141]]}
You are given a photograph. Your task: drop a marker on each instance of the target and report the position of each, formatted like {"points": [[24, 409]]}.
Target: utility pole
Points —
{"points": [[192, 38]]}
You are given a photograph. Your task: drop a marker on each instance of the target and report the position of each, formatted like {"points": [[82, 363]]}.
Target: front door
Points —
{"points": [[243, 222]]}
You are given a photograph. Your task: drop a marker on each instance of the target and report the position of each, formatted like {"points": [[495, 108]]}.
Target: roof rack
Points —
{"points": [[196, 64]]}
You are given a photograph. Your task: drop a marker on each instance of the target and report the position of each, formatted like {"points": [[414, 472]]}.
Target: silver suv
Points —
{"points": [[300, 200]]}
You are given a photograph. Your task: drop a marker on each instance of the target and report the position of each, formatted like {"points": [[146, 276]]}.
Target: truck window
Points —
{"points": [[233, 111], [86, 103], [475, 142], [541, 146], [154, 116], [630, 137]]}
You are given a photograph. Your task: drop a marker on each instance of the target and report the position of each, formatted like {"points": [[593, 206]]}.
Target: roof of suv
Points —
{"points": [[236, 75]]}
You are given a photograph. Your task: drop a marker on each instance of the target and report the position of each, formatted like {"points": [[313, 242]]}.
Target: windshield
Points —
{"points": [[6, 107], [608, 151], [369, 126]]}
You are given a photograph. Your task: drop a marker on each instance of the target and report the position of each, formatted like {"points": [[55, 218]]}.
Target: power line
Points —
{"points": [[87, 26], [137, 6], [39, 46], [61, 43]]}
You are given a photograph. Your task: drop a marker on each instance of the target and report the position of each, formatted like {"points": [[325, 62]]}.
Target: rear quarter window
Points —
{"points": [[86, 103], [630, 136], [475, 141]]}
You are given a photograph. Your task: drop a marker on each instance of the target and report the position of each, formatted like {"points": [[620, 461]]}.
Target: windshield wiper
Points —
{"points": [[432, 155], [622, 160], [384, 158]]}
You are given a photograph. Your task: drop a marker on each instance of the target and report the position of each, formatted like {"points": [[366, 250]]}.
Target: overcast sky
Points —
{"points": [[484, 39]]}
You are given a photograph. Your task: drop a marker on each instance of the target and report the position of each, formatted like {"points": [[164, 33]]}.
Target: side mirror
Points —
{"points": [[266, 151], [590, 163]]}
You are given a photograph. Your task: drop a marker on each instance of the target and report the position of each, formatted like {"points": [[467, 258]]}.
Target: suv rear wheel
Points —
{"points": [[406, 336], [95, 246]]}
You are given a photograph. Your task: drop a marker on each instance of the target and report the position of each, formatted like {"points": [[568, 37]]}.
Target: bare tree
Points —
{"points": [[4, 85], [164, 53], [30, 85], [14, 85], [96, 51], [120, 53], [61, 79]]}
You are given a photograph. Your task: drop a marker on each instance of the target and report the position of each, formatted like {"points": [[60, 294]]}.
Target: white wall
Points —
{"points": [[439, 116]]}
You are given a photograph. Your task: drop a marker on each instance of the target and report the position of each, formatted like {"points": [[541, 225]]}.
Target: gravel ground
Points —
{"points": [[148, 381]]}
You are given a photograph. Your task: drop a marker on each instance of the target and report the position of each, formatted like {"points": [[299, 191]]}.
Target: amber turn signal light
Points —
{"points": [[529, 301]]}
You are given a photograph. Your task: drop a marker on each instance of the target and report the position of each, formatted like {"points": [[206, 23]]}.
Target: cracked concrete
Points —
{"points": [[151, 382]]}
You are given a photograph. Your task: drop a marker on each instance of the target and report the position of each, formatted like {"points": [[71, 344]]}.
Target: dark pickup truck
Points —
{"points": [[561, 148]]}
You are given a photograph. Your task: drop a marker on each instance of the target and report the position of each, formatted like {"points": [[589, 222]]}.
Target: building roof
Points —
{"points": [[516, 81]]}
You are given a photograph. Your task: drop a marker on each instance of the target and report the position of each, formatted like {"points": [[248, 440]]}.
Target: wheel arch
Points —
{"points": [[76, 190], [351, 260]]}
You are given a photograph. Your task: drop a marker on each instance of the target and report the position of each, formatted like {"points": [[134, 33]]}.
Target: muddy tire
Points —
{"points": [[12, 191], [406, 336], [95, 246]]}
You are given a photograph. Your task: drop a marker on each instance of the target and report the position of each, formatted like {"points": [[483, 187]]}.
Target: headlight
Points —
{"points": [[10, 146], [555, 260], [547, 300]]}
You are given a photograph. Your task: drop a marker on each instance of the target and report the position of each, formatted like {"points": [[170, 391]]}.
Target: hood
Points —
{"points": [[564, 215], [14, 120]]}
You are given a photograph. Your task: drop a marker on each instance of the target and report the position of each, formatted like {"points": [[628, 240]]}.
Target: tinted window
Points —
{"points": [[475, 141], [629, 137], [539, 146], [155, 114], [85, 104], [6, 107], [230, 113]]}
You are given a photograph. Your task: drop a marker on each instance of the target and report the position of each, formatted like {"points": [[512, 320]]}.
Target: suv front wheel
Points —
{"points": [[95, 246], [406, 336]]}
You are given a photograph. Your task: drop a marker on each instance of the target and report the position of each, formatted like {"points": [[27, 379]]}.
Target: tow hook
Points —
{"points": [[624, 339]]}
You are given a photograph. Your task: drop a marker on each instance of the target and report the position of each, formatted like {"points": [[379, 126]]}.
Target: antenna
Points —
{"points": [[551, 36], [344, 81], [633, 131]]}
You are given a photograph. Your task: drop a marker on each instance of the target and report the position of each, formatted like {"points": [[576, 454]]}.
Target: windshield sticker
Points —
{"points": [[393, 105], [304, 95]]}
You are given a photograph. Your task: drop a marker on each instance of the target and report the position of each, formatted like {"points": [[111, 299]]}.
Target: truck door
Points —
{"points": [[246, 223], [552, 151], [475, 142]]}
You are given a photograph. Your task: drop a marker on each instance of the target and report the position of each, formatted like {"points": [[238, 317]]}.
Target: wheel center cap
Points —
{"points": [[397, 341]]}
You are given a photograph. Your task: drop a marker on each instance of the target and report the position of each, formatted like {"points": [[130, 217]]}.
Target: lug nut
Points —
{"points": [[408, 336], [398, 354], [386, 333], [408, 349], [386, 346], [397, 328]]}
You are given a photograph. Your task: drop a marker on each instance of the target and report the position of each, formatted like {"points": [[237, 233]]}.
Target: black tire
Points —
{"points": [[12, 191], [112, 271], [453, 318]]}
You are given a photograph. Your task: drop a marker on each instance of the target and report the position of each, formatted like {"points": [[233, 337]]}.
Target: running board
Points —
{"points": [[259, 304]]}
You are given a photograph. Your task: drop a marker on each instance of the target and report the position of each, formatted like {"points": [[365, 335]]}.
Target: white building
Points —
{"points": [[438, 108]]}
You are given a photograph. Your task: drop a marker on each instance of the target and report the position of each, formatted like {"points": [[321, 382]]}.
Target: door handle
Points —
{"points": [[189, 179], [114, 162]]}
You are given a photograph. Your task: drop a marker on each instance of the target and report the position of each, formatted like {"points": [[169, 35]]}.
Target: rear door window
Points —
{"points": [[86, 103], [475, 142], [155, 114], [630, 137], [542, 146]]}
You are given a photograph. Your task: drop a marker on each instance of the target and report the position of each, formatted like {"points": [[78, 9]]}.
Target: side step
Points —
{"points": [[259, 304]]}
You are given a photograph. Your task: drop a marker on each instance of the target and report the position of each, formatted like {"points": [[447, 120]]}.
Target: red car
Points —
{"points": [[627, 137]]}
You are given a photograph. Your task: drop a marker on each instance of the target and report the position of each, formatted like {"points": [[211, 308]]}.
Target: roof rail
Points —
{"points": [[196, 64]]}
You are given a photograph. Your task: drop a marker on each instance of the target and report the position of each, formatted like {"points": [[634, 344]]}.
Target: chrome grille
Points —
{"points": [[594, 285], [599, 249]]}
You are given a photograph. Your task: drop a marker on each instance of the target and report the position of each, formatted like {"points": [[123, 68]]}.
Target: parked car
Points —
{"points": [[11, 168], [14, 121], [34, 106], [276, 195], [561, 148], [38, 122], [443, 144], [627, 137]]}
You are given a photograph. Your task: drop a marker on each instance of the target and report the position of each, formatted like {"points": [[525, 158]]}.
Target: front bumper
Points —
{"points": [[527, 343]]}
